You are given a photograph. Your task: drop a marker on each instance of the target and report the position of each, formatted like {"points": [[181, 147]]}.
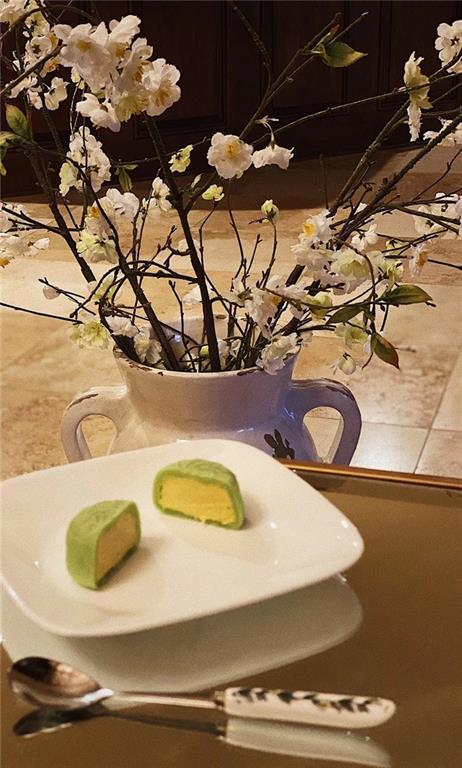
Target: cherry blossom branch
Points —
{"points": [[209, 322], [33, 68], [41, 314]]}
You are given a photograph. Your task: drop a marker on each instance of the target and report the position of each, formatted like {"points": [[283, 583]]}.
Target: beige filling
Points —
{"points": [[114, 543], [203, 501]]}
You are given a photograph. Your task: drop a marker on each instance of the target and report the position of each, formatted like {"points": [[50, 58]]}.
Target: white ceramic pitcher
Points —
{"points": [[267, 411]]}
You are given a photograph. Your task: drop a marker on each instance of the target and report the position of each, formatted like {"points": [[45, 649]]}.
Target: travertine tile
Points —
{"points": [[383, 446], [418, 326], [58, 366], [405, 397], [442, 454], [31, 435], [19, 334], [380, 446], [449, 415]]}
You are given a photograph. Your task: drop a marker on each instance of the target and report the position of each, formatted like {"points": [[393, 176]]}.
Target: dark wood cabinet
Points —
{"points": [[222, 77]]}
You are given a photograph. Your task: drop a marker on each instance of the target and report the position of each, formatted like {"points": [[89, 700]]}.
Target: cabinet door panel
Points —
{"points": [[222, 78]]}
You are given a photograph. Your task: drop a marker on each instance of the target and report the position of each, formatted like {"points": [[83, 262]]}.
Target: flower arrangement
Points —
{"points": [[348, 265]]}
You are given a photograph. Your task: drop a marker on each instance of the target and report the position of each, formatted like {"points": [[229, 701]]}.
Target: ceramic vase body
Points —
{"points": [[155, 407]]}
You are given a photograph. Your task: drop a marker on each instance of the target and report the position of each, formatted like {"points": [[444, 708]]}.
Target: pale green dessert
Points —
{"points": [[201, 490], [99, 539]]}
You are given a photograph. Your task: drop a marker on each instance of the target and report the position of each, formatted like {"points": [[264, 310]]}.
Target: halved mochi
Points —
{"points": [[201, 490], [99, 539]]}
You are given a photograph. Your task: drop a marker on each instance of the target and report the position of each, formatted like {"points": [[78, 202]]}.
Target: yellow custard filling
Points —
{"points": [[204, 501]]}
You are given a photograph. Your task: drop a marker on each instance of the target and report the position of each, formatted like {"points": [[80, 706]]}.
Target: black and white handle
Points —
{"points": [[326, 709]]}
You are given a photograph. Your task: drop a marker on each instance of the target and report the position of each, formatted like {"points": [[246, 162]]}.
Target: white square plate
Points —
{"points": [[183, 569]]}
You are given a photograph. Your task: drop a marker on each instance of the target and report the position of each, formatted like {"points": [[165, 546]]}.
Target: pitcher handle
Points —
{"points": [[111, 402], [306, 394]]}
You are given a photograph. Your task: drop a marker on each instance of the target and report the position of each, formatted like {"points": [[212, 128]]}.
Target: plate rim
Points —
{"points": [[349, 558]]}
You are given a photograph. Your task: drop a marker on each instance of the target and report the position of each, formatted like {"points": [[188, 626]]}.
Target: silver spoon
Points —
{"points": [[49, 683]]}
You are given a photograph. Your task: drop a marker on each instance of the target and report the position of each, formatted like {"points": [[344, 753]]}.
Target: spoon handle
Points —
{"points": [[306, 707]]}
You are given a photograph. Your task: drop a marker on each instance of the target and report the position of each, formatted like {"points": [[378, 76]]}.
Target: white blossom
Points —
{"points": [[354, 267], [364, 238], [49, 292], [38, 48], [229, 155], [96, 248], [181, 159], [101, 289], [56, 93], [345, 363], [160, 84], [12, 10], [90, 333], [393, 269], [227, 348], [319, 303], [121, 326], [317, 229], [275, 354], [9, 220], [119, 205], [121, 34], [315, 259], [101, 113], [419, 85], [351, 334], [414, 119], [273, 155], [261, 306], [422, 225], [21, 244], [193, 297], [147, 349], [451, 140], [29, 84], [134, 64], [86, 153], [183, 246], [85, 50], [159, 202], [36, 23], [449, 44], [417, 259], [214, 193], [269, 209], [294, 294]]}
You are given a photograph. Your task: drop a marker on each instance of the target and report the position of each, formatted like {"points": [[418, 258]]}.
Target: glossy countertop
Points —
{"points": [[393, 629]]}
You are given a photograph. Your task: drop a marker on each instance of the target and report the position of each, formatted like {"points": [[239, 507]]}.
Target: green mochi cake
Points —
{"points": [[201, 490], [99, 539]]}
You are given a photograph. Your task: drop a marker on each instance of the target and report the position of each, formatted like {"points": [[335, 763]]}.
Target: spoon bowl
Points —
{"points": [[50, 683]]}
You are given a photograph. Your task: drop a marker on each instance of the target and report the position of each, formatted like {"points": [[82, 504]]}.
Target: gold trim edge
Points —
{"points": [[363, 473]]}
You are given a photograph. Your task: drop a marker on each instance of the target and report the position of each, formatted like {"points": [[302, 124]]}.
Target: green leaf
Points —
{"points": [[129, 166], [17, 121], [124, 179], [344, 314], [384, 350], [406, 294], [339, 54], [7, 138]]}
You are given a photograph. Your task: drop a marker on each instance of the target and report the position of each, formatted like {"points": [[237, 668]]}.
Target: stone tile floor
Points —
{"points": [[412, 417]]}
